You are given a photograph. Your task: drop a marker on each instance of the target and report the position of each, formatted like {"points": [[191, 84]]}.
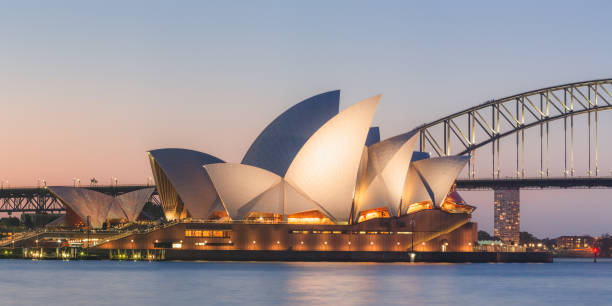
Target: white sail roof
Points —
{"points": [[280, 141], [133, 202], [432, 178], [85, 202], [238, 185], [181, 180], [387, 167], [326, 166], [101, 207]]}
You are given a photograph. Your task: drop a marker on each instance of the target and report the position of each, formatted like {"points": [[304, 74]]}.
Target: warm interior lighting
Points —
{"points": [[219, 216], [208, 233], [261, 217], [414, 207], [456, 205], [381, 212], [308, 217]]}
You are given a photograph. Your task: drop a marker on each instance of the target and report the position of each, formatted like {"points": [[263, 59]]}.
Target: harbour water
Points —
{"points": [[49, 282]]}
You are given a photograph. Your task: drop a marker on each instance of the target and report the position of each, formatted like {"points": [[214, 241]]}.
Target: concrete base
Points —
{"points": [[358, 256]]}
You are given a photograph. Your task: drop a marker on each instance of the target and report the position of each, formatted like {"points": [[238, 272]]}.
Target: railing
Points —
{"points": [[499, 248], [16, 237]]}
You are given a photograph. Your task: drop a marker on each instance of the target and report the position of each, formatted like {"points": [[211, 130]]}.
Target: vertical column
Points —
{"points": [[473, 141], [522, 138], [565, 135], [444, 142], [470, 145], [596, 137], [589, 127], [547, 136], [572, 132], [517, 140], [422, 141], [541, 138], [497, 133], [447, 140], [493, 143]]}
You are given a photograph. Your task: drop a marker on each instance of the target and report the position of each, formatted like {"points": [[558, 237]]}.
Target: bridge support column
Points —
{"points": [[507, 216]]}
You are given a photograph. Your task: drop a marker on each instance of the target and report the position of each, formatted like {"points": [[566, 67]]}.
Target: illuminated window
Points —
{"points": [[412, 208], [260, 217], [375, 213], [208, 233], [308, 217]]}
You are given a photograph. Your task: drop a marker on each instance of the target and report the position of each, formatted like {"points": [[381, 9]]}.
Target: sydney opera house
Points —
{"points": [[315, 179]]}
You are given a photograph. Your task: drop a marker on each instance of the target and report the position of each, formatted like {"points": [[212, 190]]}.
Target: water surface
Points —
{"points": [[565, 282]]}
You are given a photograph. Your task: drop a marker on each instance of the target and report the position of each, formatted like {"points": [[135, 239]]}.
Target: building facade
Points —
{"points": [[317, 178], [575, 242], [507, 215]]}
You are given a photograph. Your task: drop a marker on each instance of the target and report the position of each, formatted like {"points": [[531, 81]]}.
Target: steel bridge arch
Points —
{"points": [[495, 119]]}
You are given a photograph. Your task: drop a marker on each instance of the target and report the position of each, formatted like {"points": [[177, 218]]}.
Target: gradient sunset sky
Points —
{"points": [[86, 88]]}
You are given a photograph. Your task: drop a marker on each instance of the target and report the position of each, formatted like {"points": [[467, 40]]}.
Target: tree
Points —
{"points": [[526, 238], [482, 235]]}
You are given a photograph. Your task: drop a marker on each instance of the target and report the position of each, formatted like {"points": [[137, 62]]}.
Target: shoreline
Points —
{"points": [[285, 256]]}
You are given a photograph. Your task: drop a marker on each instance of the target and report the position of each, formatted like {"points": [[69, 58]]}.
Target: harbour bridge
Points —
{"points": [[40, 200], [509, 142]]}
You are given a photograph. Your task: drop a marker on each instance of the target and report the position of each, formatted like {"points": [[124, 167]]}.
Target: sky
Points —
{"points": [[86, 88]]}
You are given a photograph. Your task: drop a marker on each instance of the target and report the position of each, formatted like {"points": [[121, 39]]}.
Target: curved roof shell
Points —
{"points": [[116, 212], [387, 168], [101, 207], [432, 178], [296, 201], [281, 140], [182, 183], [415, 190], [85, 203], [133, 202], [326, 167], [244, 188]]}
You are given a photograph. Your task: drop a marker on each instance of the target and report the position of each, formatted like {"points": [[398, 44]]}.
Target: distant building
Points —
{"points": [[575, 242], [507, 215]]}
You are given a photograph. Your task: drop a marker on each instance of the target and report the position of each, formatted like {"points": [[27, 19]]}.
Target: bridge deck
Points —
{"points": [[38, 199], [535, 183]]}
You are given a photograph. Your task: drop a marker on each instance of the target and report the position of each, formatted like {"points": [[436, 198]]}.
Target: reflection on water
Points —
{"points": [[565, 282]]}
